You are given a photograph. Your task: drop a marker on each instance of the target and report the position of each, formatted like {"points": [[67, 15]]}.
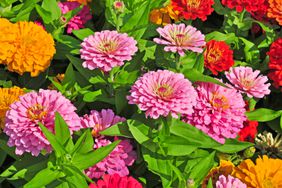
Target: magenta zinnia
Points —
{"points": [[179, 38], [248, 81], [23, 117], [121, 157], [229, 182], [163, 92], [220, 111], [107, 49]]}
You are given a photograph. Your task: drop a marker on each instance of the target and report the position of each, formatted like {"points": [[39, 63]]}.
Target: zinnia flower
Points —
{"points": [[116, 181], [83, 2], [178, 38], [121, 157], [275, 10], [7, 97], [240, 5], [193, 9], [164, 15], [218, 56], [163, 92], [245, 80], [229, 182], [107, 49], [275, 62], [249, 131], [25, 47], [270, 145], [267, 172], [23, 117], [80, 19], [219, 112]]}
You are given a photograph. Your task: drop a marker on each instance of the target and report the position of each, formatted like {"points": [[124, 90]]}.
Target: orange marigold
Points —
{"points": [[83, 2], [25, 47], [7, 97], [266, 173], [163, 16], [275, 10]]}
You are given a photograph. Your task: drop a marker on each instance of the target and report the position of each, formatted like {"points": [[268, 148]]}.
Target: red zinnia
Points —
{"points": [[275, 62], [249, 5], [248, 133], [192, 9], [115, 181], [218, 56]]}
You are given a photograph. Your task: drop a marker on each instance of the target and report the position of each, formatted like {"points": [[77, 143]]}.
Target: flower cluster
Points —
{"points": [[275, 62]]}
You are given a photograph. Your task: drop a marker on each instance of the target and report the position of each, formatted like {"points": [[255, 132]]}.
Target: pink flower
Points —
{"points": [[121, 157], [162, 92], [23, 117], [179, 38], [116, 181], [107, 49], [248, 81], [220, 111], [229, 182], [80, 19]]}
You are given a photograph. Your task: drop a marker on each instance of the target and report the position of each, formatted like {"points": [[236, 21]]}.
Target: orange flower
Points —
{"points": [[266, 173], [25, 47], [275, 10], [163, 16], [7, 97], [83, 2]]}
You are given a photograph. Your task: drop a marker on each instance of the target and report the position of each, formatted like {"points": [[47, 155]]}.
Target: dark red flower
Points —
{"points": [[249, 131], [275, 62], [218, 56], [193, 9], [115, 181]]}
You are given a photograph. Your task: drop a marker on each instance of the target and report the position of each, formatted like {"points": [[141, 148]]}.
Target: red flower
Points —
{"points": [[260, 12], [249, 5], [218, 56], [115, 181], [193, 9], [249, 131], [275, 62]]}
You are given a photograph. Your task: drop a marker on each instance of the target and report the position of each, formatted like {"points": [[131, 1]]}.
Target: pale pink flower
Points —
{"points": [[163, 92], [248, 81], [121, 157], [80, 19], [220, 111], [229, 182], [23, 117], [107, 49], [179, 38]]}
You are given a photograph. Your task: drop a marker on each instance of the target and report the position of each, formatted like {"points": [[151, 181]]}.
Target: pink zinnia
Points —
{"points": [[107, 49], [116, 181], [163, 92], [220, 111], [178, 38], [121, 157], [229, 182], [80, 19], [248, 81], [23, 117]]}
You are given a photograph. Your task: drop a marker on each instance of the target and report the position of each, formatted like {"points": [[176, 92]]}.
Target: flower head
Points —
{"points": [[265, 173], [25, 47], [229, 182], [116, 181], [245, 80], [219, 112], [121, 157], [107, 49], [240, 5], [193, 9], [275, 62], [24, 115], [178, 38], [80, 19], [249, 131], [119, 6], [266, 142], [164, 15], [275, 10], [163, 92], [7, 97], [218, 56]]}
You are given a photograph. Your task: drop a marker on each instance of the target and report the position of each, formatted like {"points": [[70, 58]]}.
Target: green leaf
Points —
{"points": [[263, 115], [84, 144], [120, 99], [70, 77], [177, 146], [139, 131], [84, 161], [52, 7], [24, 12], [233, 146], [219, 9], [119, 129], [82, 33], [77, 63], [44, 14], [92, 96], [210, 184]]}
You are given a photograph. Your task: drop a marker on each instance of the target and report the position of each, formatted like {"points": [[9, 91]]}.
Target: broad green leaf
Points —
{"points": [[70, 77], [92, 96], [139, 131], [79, 172], [177, 146], [76, 181], [82, 33], [24, 12], [263, 115], [44, 14], [119, 129], [84, 144], [233, 146], [62, 131], [52, 6]]}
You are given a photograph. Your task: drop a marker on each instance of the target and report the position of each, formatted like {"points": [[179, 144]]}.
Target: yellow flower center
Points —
{"points": [[248, 84], [267, 183], [164, 91], [213, 55], [219, 101], [95, 130], [36, 112], [108, 46], [191, 4]]}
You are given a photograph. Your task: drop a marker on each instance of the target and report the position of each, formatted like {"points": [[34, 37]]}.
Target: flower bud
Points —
{"points": [[190, 183], [248, 153], [119, 6]]}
